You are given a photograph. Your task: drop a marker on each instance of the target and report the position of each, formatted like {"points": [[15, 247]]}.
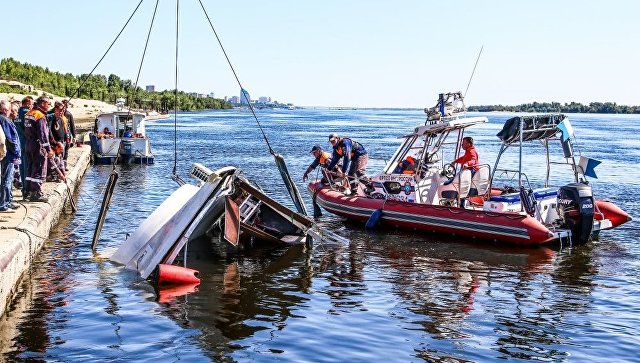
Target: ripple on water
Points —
{"points": [[391, 296]]}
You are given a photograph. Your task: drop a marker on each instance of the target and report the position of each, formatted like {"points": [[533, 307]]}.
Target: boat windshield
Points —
{"points": [[433, 144]]}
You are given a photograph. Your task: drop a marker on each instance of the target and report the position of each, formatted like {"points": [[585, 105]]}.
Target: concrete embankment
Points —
{"points": [[23, 233]]}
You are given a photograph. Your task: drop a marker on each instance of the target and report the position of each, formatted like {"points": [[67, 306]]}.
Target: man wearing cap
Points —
{"points": [[354, 159], [37, 148], [322, 158]]}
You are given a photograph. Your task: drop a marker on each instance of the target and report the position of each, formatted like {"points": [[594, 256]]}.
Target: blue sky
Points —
{"points": [[361, 53]]}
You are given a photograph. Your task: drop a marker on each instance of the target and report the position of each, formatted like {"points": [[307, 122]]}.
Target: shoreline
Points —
{"points": [[84, 111]]}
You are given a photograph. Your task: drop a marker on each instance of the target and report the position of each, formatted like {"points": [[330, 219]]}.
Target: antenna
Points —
{"points": [[473, 72]]}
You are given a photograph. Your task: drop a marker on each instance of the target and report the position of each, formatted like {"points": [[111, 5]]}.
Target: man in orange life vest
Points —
{"points": [[37, 148], [406, 166], [354, 159], [322, 159], [470, 159]]}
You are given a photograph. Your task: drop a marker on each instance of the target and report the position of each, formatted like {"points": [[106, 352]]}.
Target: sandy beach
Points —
{"points": [[84, 111]]}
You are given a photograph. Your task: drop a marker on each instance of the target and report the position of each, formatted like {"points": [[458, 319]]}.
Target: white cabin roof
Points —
{"points": [[448, 125], [121, 113]]}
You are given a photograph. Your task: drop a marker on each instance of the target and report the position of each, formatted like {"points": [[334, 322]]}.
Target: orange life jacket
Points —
{"points": [[324, 158], [410, 165], [35, 114]]}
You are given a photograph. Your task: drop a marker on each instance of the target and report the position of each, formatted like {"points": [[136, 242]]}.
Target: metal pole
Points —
{"points": [[520, 153]]}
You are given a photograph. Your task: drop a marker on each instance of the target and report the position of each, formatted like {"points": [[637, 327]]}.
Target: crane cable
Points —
{"points": [[77, 92], [279, 159], [174, 175], [144, 52], [237, 79]]}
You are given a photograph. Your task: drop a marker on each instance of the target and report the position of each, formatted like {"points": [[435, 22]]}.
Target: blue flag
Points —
{"points": [[588, 166], [566, 128]]}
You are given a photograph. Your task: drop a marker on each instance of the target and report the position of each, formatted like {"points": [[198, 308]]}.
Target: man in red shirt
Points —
{"points": [[470, 159]]}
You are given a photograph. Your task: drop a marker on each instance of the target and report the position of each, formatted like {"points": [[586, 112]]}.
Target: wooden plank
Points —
{"points": [[231, 221]]}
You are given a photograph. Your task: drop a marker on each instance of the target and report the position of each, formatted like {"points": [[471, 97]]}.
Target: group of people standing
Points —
{"points": [[34, 143]]}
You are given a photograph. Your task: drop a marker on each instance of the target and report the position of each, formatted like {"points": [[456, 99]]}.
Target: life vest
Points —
{"points": [[324, 159], [410, 165], [34, 114]]}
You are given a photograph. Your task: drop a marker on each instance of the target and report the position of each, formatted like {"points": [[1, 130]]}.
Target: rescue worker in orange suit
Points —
{"points": [[37, 148], [322, 159], [406, 166], [354, 159], [470, 159]]}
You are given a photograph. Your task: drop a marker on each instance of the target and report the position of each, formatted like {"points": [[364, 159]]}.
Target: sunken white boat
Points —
{"points": [[223, 203]]}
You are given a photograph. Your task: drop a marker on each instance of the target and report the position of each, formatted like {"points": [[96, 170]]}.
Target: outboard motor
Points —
{"points": [[576, 208]]}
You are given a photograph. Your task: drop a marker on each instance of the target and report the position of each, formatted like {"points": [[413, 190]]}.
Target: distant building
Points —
{"points": [[245, 99], [150, 88], [234, 99], [264, 99], [212, 95]]}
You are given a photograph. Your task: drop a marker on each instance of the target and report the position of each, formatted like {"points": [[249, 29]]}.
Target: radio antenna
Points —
{"points": [[472, 73]]}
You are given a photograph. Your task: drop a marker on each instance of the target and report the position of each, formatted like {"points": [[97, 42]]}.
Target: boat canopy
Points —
{"points": [[447, 125], [121, 122], [534, 127]]}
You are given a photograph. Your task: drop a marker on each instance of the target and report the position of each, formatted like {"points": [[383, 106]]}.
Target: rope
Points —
{"points": [[253, 112], [77, 91], [144, 52], [175, 97], [472, 73]]}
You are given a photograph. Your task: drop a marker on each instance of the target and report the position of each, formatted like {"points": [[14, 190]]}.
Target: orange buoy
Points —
{"points": [[177, 274]]}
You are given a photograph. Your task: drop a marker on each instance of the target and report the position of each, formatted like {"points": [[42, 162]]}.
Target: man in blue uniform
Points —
{"points": [[354, 159], [27, 105], [12, 157], [37, 148]]}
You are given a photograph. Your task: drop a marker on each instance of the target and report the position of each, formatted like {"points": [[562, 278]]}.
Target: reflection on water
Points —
{"points": [[392, 295]]}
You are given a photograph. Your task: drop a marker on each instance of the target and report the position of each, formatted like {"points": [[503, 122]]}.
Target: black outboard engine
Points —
{"points": [[576, 207]]}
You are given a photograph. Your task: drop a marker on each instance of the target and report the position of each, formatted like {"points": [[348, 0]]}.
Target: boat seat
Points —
{"points": [[462, 185], [480, 181], [512, 198]]}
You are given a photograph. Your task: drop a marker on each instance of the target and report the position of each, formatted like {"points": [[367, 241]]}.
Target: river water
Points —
{"points": [[391, 295]]}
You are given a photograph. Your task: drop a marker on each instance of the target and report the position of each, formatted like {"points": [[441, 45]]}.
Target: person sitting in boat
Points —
{"points": [[470, 159], [322, 159], [354, 159], [105, 134], [406, 166]]}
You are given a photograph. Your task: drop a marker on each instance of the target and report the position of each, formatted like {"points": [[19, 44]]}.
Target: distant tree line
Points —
{"points": [[103, 88], [573, 107]]}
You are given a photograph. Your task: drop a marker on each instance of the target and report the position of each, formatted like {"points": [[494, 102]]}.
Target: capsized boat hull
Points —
{"points": [[509, 227]]}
